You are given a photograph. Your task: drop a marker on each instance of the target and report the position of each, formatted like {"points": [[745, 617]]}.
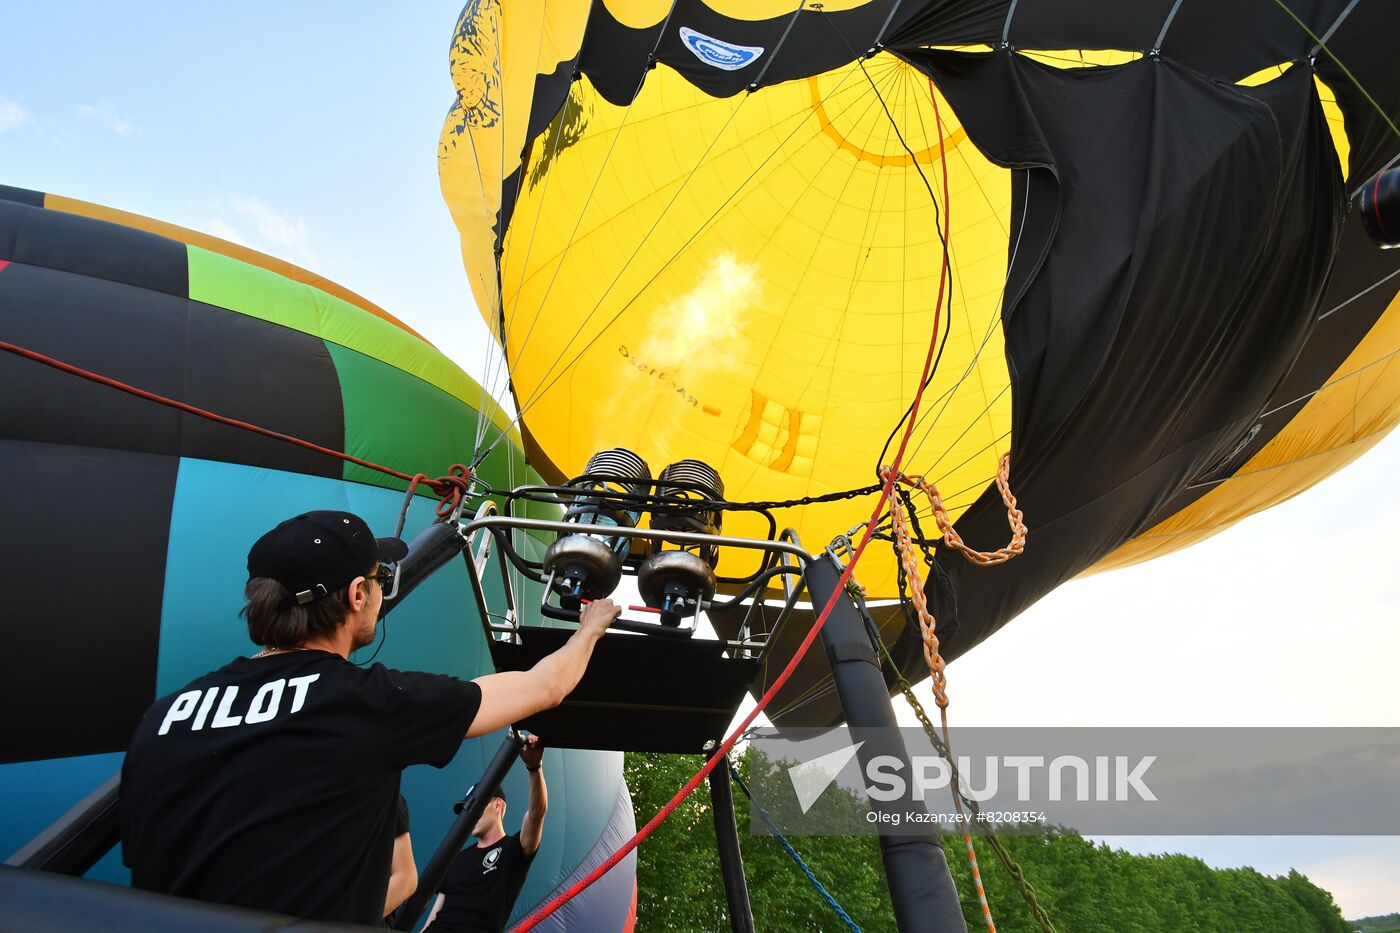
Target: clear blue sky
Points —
{"points": [[309, 130]]}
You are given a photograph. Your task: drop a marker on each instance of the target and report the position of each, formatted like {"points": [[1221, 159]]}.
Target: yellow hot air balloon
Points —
{"points": [[717, 231]]}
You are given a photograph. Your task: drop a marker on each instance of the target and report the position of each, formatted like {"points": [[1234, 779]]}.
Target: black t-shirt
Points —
{"points": [[481, 887], [271, 783]]}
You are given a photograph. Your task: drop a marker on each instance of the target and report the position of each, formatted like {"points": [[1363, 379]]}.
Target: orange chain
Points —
{"points": [[950, 535], [904, 544]]}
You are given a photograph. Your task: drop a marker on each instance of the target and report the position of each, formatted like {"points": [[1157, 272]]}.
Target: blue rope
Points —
{"points": [[772, 828]]}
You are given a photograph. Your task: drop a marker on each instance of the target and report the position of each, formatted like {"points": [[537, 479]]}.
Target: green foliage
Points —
{"points": [[1390, 923], [1316, 902], [678, 868], [1086, 888]]}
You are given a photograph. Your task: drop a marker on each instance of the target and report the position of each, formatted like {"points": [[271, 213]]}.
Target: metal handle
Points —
{"points": [[624, 625]]}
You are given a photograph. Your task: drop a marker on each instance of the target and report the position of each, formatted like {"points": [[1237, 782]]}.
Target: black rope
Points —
{"points": [[384, 633], [937, 229], [792, 852], [701, 505]]}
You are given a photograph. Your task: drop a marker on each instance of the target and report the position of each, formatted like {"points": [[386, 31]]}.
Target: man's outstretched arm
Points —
{"points": [[532, 828], [510, 696]]}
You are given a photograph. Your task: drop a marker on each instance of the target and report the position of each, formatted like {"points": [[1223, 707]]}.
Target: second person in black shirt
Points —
{"points": [[485, 879]]}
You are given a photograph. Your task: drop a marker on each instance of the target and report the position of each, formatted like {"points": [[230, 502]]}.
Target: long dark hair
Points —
{"points": [[273, 623]]}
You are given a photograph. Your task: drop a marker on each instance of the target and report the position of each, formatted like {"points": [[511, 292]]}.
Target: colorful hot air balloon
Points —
{"points": [[127, 523], [716, 230]]}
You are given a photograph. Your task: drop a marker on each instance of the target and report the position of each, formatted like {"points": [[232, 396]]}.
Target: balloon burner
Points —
{"points": [[587, 564]]}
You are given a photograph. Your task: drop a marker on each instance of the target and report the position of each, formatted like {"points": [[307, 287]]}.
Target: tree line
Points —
{"points": [[1084, 887]]}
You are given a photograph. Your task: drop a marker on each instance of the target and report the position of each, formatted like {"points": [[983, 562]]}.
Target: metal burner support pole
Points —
{"points": [[922, 892]]}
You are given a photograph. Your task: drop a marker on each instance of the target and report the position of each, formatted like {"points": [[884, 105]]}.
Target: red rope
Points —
{"points": [[450, 487], [577, 888], [1376, 205]]}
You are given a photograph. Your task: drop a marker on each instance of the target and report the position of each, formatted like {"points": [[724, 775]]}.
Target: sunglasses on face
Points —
{"points": [[387, 576]]}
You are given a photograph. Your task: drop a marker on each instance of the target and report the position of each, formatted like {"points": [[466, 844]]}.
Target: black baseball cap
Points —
{"points": [[498, 792], [317, 553]]}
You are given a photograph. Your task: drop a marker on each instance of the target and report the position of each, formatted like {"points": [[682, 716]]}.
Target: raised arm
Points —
{"points": [[437, 906], [532, 828], [510, 696]]}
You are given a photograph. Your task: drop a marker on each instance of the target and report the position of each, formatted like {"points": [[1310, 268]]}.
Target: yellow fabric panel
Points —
{"points": [[496, 53], [1081, 58], [751, 282], [56, 202], [1358, 406], [1337, 124], [1335, 121], [638, 14], [1064, 59], [643, 14], [755, 10]]}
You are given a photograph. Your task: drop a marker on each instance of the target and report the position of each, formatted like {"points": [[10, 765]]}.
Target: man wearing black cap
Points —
{"points": [[271, 783], [485, 879]]}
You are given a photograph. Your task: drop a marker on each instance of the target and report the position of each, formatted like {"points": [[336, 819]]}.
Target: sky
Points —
{"points": [[1287, 619], [309, 131]]}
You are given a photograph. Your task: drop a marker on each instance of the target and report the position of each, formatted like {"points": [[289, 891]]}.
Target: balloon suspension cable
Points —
{"points": [[792, 852], [838, 591], [891, 475], [942, 228], [522, 404], [451, 488], [1322, 44], [550, 377]]}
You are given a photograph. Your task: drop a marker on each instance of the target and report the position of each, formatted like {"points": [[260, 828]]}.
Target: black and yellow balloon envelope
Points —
{"points": [[716, 229], [128, 523]]}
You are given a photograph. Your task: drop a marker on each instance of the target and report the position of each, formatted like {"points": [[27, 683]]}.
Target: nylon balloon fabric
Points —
{"points": [[123, 496], [129, 521], [713, 230]]}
